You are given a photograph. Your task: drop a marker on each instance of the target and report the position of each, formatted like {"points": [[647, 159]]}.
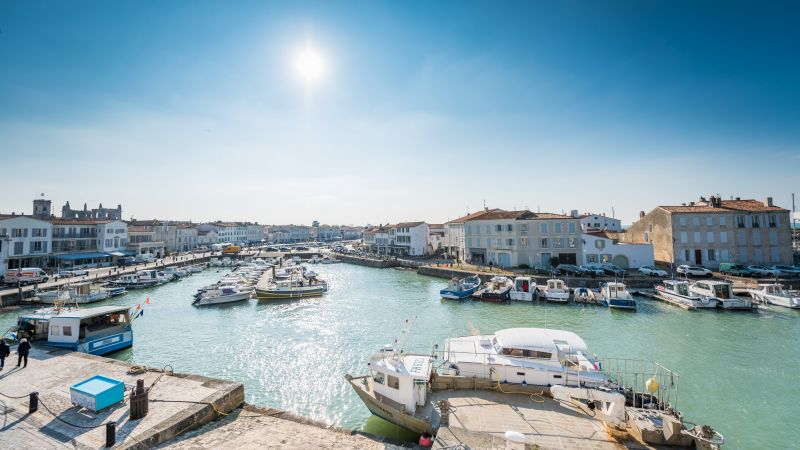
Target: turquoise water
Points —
{"points": [[739, 371]]}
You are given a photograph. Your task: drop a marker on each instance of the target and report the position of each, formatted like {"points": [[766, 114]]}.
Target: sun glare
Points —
{"points": [[310, 65]]}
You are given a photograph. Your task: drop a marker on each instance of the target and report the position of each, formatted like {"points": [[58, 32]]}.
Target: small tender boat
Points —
{"points": [[616, 295], [775, 294], [524, 289], [460, 289], [226, 294], [677, 292], [495, 290], [113, 291], [584, 295], [721, 293], [293, 288], [556, 291]]}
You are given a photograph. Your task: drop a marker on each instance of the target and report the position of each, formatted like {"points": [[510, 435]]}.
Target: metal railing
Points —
{"points": [[645, 383]]}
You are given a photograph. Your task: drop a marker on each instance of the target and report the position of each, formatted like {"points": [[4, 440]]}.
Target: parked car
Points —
{"points": [[787, 271], [73, 273], [735, 269], [764, 271], [126, 261], [592, 270], [694, 271], [569, 269], [652, 271], [612, 269]]}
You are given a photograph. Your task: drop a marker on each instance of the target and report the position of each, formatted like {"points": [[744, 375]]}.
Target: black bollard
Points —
{"points": [[111, 434], [33, 403], [140, 386]]}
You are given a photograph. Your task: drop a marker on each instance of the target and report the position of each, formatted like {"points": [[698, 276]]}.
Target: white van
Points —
{"points": [[145, 257], [26, 275]]}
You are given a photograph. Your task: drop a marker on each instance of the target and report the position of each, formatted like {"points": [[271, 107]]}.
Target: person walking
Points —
{"points": [[5, 350], [22, 351]]}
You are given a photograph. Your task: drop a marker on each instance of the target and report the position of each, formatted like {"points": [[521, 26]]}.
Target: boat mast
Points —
{"points": [[400, 342]]}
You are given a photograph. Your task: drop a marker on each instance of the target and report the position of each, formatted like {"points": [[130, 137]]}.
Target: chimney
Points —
{"points": [[641, 214], [768, 202], [573, 213], [691, 203], [738, 198]]}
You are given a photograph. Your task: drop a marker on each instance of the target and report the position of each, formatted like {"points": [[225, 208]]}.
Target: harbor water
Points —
{"points": [[738, 369]]}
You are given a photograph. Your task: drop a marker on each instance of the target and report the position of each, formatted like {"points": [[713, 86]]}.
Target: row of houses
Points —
{"points": [[81, 238], [705, 233], [289, 234]]}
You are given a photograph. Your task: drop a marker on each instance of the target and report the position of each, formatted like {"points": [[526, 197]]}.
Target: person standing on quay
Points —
{"points": [[5, 350], [22, 351]]}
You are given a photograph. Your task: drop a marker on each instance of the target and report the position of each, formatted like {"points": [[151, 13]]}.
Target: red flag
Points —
{"points": [[147, 301], [138, 307]]}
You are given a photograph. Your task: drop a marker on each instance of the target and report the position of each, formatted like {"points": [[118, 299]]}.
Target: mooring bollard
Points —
{"points": [[139, 401], [33, 403], [111, 434]]}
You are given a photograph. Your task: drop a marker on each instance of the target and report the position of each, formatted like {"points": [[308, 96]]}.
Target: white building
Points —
{"points": [[409, 239], [142, 239], [186, 237], [207, 237], [24, 242], [112, 237], [435, 238], [454, 242], [605, 247], [594, 222]]}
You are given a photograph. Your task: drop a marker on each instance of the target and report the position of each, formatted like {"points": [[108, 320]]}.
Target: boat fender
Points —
{"points": [[425, 440]]}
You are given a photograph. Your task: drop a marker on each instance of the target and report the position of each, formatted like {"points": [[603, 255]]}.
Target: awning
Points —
{"points": [[84, 255], [117, 254]]}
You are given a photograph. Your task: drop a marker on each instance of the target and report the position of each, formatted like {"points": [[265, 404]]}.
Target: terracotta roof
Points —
{"points": [[408, 224], [77, 221], [725, 207], [435, 225], [499, 214], [529, 215], [604, 234], [472, 216]]}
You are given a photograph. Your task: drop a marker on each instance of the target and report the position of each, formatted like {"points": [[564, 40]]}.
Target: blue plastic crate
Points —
{"points": [[97, 393]]}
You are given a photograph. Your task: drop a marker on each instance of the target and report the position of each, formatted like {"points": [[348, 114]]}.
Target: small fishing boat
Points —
{"points": [[226, 294], [677, 292], [460, 289], [615, 295], [292, 288], [721, 293], [524, 289], [556, 291], [584, 295], [495, 290], [140, 279], [775, 294]]}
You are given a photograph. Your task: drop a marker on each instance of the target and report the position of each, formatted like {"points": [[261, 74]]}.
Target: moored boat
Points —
{"points": [[524, 289], [293, 288], [225, 294], [495, 290], [720, 292], [556, 290], [584, 295], [615, 295], [775, 294], [677, 292], [459, 289]]}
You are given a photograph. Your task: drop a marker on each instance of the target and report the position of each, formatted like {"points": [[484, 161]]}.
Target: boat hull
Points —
{"points": [[456, 295], [100, 345], [221, 300], [619, 303], [276, 295], [777, 300], [557, 297], [389, 412]]}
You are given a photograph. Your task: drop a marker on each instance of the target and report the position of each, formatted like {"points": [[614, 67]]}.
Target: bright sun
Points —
{"points": [[310, 65]]}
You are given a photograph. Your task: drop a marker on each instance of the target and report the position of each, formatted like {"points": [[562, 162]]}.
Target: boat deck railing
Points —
{"points": [[644, 382]]}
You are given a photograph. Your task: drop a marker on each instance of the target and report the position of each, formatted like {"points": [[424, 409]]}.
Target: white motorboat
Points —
{"points": [[496, 290], [138, 280], [196, 268], [175, 272], [53, 296], [775, 294], [677, 292], [615, 295], [329, 260], [721, 293], [584, 295], [293, 288], [226, 294], [524, 289], [556, 291]]}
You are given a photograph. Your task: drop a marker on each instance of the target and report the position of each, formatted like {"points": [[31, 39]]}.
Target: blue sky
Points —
{"points": [[194, 110]]}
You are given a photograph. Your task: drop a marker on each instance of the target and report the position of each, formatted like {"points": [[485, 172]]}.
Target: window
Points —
{"points": [[378, 377], [543, 227], [739, 221], [479, 242], [773, 221], [498, 228], [756, 221], [722, 221], [67, 330], [696, 221], [682, 221], [709, 221], [558, 242], [523, 242], [687, 255], [524, 227], [558, 227], [723, 237], [571, 227], [712, 256], [38, 246], [710, 237], [756, 238], [696, 237], [723, 254], [684, 237], [543, 243], [393, 382], [509, 227], [646, 236], [573, 242], [55, 330], [600, 244], [773, 237], [469, 242], [18, 248], [510, 242]]}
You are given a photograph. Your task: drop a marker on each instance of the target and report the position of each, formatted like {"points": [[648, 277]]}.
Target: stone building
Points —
{"points": [[97, 213], [711, 231]]}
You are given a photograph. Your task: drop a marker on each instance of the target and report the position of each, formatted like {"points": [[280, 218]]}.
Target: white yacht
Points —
{"points": [[721, 293], [677, 292], [556, 291], [615, 295], [524, 289], [775, 294], [225, 294]]}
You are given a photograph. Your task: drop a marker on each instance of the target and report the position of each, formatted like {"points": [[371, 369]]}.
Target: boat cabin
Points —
{"points": [[92, 330], [400, 378], [524, 284], [555, 284], [772, 288], [615, 289], [677, 287], [717, 289]]}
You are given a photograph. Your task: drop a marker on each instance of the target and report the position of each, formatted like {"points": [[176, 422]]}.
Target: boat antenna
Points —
{"points": [[400, 342]]}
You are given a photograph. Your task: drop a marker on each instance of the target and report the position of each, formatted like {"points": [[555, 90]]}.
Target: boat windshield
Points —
{"points": [[722, 291], [682, 289]]}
